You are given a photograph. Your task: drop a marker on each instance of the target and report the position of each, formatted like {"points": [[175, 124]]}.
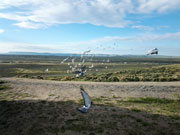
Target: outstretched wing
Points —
{"points": [[83, 68], [77, 72], [86, 98]]}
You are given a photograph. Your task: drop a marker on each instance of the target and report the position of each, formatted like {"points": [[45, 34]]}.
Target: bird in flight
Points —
{"points": [[87, 101], [153, 51], [80, 72]]}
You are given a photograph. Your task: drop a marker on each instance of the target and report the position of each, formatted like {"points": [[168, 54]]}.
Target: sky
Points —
{"points": [[120, 27]]}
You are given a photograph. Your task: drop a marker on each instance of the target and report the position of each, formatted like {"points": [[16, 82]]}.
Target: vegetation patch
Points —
{"points": [[156, 74], [3, 85], [119, 69], [2, 82], [150, 100]]}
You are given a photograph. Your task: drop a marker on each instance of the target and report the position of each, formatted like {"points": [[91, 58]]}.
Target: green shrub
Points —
{"points": [[113, 79]]}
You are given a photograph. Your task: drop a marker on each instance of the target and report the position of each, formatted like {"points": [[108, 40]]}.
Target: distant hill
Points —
{"points": [[97, 55], [54, 54], [43, 54]]}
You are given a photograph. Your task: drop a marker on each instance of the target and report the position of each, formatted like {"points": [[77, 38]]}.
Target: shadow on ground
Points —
{"points": [[31, 117]]}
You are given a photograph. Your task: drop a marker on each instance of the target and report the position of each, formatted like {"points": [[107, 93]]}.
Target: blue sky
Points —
{"points": [[103, 26]]}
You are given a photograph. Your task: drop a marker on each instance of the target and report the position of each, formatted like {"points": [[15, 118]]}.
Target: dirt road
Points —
{"points": [[56, 90]]}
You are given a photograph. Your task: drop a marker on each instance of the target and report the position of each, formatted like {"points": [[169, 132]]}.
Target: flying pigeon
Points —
{"points": [[84, 53], [64, 60], [91, 66], [153, 51], [73, 61], [87, 101], [80, 72]]}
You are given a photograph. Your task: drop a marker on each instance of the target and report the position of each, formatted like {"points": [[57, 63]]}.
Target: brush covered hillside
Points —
{"points": [[157, 74], [104, 69]]}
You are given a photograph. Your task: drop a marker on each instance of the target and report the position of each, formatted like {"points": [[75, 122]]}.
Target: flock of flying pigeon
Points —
{"points": [[80, 70]]}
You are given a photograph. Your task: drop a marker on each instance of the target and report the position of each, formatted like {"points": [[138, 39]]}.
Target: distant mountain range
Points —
{"points": [[78, 55], [54, 54], [43, 54]]}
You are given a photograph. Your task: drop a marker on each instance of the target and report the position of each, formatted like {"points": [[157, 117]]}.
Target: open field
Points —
{"points": [[133, 96], [35, 107], [119, 69]]}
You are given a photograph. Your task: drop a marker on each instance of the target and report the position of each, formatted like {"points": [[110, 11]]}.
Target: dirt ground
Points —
{"points": [[49, 108], [56, 90]]}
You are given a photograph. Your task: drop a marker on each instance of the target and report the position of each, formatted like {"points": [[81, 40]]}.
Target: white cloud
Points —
{"points": [[78, 47], [29, 25], [26, 47], [109, 13], [148, 6], [147, 28], [139, 38], [1, 31]]}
